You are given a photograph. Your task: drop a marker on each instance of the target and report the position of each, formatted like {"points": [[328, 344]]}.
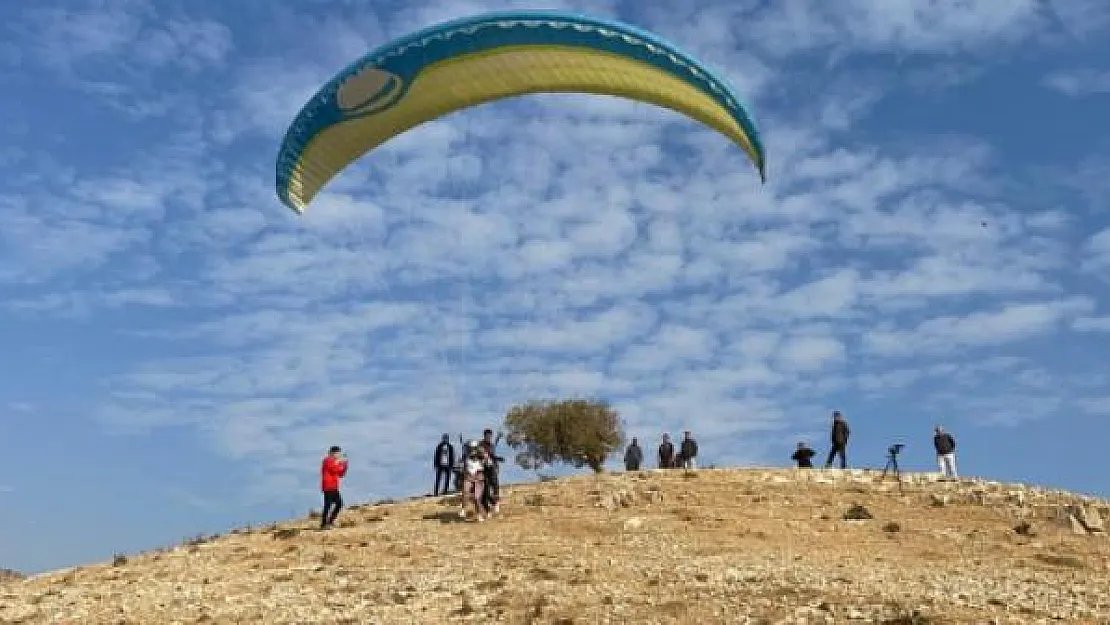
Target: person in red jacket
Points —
{"points": [[332, 470]]}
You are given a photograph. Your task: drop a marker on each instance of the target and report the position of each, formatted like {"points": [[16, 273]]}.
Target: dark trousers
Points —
{"points": [[838, 450], [491, 494], [333, 503], [443, 473]]}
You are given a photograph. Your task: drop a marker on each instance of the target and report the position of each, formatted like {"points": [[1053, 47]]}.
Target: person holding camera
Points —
{"points": [[332, 469], [945, 445], [803, 455], [474, 481]]}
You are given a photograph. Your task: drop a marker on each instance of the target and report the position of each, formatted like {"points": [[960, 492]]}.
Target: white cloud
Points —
{"points": [[1097, 251], [1080, 82], [943, 27], [117, 30], [1092, 324], [1097, 406], [1013, 322], [554, 245], [810, 353]]}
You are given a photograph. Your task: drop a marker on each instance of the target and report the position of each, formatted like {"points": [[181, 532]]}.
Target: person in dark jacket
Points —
{"points": [[633, 456], [840, 433], [945, 445], [443, 460], [803, 456], [491, 493], [689, 452], [666, 453]]}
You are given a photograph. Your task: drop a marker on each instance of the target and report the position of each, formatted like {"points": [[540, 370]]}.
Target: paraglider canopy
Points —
{"points": [[478, 59]]}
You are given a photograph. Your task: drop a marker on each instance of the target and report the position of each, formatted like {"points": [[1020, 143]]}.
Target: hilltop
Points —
{"points": [[715, 546]]}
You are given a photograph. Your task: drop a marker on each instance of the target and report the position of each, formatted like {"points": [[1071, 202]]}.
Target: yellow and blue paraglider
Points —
{"points": [[462, 63]]}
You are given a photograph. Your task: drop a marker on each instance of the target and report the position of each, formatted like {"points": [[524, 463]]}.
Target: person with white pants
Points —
{"points": [[945, 445]]}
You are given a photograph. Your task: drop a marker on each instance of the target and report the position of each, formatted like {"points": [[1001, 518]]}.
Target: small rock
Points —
{"points": [[1076, 526], [634, 523], [857, 513], [1090, 519]]}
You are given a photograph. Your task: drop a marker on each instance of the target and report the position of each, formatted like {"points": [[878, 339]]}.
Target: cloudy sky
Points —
{"points": [[179, 349]]}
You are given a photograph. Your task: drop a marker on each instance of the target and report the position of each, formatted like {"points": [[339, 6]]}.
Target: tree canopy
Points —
{"points": [[579, 432]]}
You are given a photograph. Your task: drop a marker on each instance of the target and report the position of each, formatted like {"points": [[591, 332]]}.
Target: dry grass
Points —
{"points": [[664, 547]]}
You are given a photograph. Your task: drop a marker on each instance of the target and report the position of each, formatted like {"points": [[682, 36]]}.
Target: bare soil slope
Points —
{"points": [[715, 546]]}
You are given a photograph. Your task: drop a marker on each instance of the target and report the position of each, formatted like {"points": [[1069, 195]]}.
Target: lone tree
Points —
{"points": [[579, 432]]}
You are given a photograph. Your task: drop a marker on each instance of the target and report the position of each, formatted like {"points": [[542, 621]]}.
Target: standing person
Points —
{"points": [[443, 461], [332, 469], [945, 445], [634, 456], [474, 480], [491, 492], [803, 456], [840, 433], [458, 468], [689, 452], [666, 452]]}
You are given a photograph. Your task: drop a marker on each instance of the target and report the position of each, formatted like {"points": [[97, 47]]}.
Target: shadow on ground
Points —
{"points": [[444, 516]]}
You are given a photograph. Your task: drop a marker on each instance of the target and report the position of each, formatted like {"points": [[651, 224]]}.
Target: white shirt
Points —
{"points": [[473, 466]]}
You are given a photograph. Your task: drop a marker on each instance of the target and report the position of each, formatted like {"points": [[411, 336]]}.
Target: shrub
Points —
{"points": [[578, 432]]}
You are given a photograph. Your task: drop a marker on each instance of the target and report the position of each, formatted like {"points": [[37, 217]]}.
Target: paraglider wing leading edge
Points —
{"points": [[475, 60]]}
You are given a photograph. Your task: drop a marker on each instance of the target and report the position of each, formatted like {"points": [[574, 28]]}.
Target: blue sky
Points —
{"points": [[179, 349]]}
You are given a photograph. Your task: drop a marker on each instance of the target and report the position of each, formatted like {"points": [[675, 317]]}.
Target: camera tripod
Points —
{"points": [[892, 465]]}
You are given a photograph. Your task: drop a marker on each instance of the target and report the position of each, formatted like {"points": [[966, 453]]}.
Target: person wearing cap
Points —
{"points": [[332, 469], [443, 460]]}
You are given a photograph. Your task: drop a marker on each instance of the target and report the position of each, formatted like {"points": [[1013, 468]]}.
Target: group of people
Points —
{"points": [[476, 474], [685, 458], [943, 442]]}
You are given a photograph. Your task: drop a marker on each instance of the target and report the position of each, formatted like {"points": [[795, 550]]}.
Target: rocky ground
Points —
{"points": [[715, 546]]}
